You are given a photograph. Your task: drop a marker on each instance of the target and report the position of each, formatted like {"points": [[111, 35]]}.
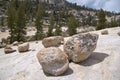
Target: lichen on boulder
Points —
{"points": [[79, 47]]}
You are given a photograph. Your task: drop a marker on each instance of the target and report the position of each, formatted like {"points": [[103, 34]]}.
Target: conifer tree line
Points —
{"points": [[18, 16], [16, 22], [20, 13], [102, 22]]}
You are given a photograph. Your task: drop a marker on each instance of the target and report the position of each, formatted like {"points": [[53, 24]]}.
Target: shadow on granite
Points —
{"points": [[95, 58], [68, 72]]}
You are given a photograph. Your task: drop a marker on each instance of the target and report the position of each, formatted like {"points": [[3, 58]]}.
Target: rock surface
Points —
{"points": [[79, 47], [23, 47], [103, 64], [53, 61], [52, 41]]}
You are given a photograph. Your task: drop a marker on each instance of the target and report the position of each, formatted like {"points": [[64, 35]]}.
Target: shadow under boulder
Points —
{"points": [[95, 58], [69, 71]]}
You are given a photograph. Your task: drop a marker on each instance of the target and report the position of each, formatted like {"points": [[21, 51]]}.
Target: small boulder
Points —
{"points": [[1, 46], [16, 43], [53, 61], [52, 41], [20, 42], [118, 33], [79, 47], [23, 47], [8, 49], [104, 32]]}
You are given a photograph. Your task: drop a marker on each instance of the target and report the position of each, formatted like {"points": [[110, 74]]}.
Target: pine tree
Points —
{"points": [[38, 22], [89, 19], [2, 21], [101, 20], [58, 30], [118, 21], [72, 25], [94, 22], [11, 21], [29, 9], [58, 23], [20, 23], [50, 29], [113, 23]]}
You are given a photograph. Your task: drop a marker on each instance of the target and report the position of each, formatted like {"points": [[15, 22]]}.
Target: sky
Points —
{"points": [[108, 5]]}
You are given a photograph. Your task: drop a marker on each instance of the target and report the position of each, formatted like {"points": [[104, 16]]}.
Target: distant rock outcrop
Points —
{"points": [[58, 2], [23, 47], [53, 60], [79, 47], [53, 41]]}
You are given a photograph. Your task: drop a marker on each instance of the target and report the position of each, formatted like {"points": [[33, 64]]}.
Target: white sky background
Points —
{"points": [[109, 5]]}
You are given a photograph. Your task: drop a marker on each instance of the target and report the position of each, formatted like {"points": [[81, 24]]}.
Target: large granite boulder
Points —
{"points": [[53, 60], [23, 47], [79, 47], [52, 41], [8, 49]]}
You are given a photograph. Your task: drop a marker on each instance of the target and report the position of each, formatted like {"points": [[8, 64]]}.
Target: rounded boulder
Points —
{"points": [[79, 47], [52, 41], [53, 61], [104, 32], [8, 49], [23, 47]]}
